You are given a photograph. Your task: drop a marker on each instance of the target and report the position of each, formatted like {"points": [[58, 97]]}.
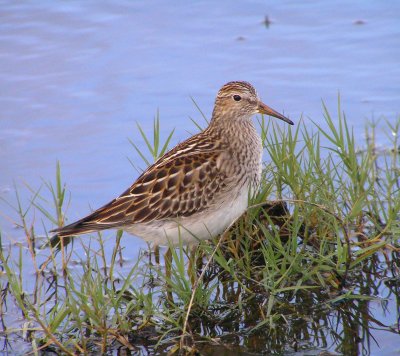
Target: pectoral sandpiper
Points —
{"points": [[197, 189]]}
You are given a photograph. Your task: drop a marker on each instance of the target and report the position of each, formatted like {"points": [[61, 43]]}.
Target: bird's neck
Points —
{"points": [[240, 139], [231, 126]]}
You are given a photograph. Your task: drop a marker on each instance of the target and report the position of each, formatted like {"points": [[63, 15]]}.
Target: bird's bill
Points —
{"points": [[266, 110]]}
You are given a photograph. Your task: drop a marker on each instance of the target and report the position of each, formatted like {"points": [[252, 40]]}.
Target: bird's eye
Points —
{"points": [[237, 97]]}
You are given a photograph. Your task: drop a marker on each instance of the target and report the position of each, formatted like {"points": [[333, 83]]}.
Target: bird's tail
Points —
{"points": [[67, 233], [101, 219]]}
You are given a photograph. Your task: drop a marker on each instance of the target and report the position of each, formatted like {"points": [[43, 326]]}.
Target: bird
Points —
{"points": [[198, 188]]}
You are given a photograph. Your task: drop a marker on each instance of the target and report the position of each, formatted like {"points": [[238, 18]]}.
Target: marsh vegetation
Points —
{"points": [[306, 268]]}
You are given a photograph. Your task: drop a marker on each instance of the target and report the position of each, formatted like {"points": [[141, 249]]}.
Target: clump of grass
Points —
{"points": [[310, 246]]}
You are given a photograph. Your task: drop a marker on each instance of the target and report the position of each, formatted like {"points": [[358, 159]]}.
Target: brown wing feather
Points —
{"points": [[181, 183], [179, 187]]}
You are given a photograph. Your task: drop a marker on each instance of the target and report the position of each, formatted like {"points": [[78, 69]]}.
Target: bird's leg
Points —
{"points": [[168, 267], [157, 255], [195, 262], [192, 268]]}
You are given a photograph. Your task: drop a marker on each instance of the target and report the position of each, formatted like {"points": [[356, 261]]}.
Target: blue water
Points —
{"points": [[75, 77]]}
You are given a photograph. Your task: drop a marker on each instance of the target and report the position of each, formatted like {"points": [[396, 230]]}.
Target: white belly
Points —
{"points": [[201, 226]]}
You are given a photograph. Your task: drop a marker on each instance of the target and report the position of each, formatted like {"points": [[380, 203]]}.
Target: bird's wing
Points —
{"points": [[177, 188], [183, 182]]}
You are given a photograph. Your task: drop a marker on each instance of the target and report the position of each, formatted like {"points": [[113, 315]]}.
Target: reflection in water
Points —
{"points": [[310, 319], [241, 315]]}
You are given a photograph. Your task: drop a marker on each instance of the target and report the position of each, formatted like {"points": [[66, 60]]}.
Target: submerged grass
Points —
{"points": [[309, 258]]}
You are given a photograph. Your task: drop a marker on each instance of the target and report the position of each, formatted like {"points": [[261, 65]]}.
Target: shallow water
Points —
{"points": [[75, 77]]}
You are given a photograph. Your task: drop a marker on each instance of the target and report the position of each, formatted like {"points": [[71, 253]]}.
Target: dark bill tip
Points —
{"points": [[266, 110]]}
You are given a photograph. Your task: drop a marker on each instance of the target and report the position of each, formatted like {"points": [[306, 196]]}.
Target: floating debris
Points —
{"points": [[267, 22]]}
